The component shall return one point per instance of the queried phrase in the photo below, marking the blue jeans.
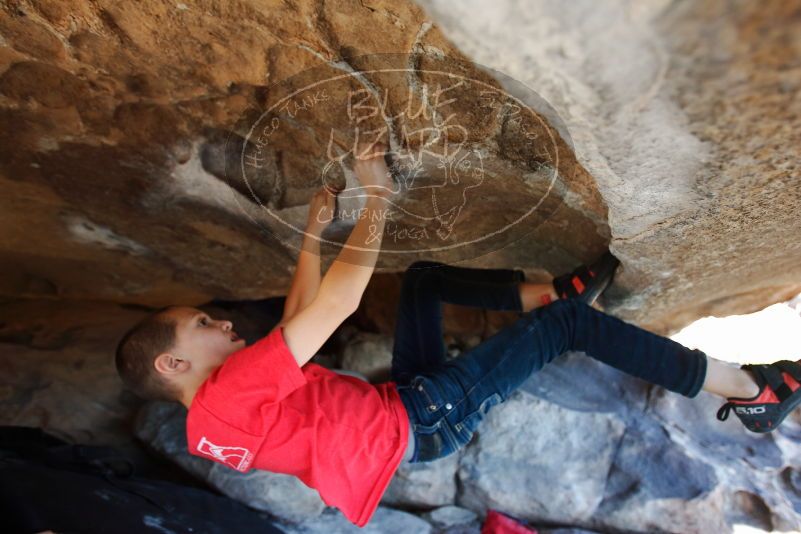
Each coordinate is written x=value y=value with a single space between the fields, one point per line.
x=446 y=399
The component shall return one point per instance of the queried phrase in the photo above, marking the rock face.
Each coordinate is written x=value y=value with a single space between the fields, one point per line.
x=140 y=163
x=686 y=115
x=157 y=153
x=134 y=137
x=122 y=125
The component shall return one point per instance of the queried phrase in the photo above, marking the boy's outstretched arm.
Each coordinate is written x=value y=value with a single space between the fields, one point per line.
x=343 y=285
x=306 y=280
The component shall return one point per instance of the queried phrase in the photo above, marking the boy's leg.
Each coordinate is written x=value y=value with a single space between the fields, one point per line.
x=570 y=325
x=451 y=402
x=418 y=344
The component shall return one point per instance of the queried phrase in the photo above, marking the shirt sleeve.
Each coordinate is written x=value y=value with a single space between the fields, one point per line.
x=212 y=438
x=262 y=373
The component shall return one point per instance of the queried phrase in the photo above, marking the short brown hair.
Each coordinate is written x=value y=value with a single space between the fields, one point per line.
x=137 y=350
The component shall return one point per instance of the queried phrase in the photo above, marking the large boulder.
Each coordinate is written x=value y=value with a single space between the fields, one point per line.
x=675 y=468
x=665 y=130
x=137 y=167
x=686 y=114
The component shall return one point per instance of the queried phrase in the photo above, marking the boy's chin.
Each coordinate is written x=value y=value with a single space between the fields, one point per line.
x=238 y=344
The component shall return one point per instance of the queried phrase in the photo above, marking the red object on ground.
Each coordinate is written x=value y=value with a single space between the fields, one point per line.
x=498 y=523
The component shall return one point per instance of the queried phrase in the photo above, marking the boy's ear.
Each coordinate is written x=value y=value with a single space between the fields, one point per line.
x=168 y=363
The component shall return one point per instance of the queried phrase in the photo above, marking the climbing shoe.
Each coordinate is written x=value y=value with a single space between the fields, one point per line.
x=779 y=393
x=587 y=282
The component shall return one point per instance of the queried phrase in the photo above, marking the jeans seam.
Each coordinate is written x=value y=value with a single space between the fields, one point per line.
x=427 y=397
x=517 y=277
x=519 y=340
x=418 y=329
x=460 y=424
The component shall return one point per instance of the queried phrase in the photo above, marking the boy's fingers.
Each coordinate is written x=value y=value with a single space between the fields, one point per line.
x=370 y=150
x=329 y=190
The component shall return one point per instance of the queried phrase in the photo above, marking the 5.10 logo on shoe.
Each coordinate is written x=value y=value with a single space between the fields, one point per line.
x=750 y=410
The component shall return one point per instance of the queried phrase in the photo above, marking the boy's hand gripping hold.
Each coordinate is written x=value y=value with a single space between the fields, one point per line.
x=342 y=287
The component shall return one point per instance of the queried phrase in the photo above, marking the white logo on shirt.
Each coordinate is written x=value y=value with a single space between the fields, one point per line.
x=236 y=457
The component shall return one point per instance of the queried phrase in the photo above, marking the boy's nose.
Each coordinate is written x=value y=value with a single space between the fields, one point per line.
x=227 y=325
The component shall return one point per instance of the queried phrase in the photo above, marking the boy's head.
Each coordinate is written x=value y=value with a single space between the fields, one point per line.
x=169 y=353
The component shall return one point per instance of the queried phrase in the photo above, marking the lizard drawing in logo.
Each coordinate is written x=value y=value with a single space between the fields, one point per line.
x=236 y=457
x=437 y=169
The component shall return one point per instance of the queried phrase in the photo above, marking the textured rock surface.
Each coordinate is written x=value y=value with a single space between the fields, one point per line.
x=424 y=485
x=385 y=521
x=451 y=516
x=56 y=369
x=115 y=116
x=686 y=114
x=114 y=119
x=516 y=467
x=116 y=166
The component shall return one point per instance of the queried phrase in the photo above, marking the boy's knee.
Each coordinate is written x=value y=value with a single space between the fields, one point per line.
x=560 y=306
x=563 y=309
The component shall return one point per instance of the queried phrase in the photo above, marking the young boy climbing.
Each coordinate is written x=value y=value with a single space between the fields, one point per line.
x=264 y=406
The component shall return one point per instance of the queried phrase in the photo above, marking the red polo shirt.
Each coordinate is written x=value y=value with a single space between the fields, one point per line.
x=338 y=434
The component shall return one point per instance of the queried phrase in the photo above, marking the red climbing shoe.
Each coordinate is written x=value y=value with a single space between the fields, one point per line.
x=779 y=393
x=587 y=282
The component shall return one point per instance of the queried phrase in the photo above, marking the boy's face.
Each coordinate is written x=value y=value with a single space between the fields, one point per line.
x=201 y=340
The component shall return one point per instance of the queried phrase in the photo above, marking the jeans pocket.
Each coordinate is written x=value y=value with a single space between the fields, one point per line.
x=468 y=425
x=428 y=393
x=428 y=441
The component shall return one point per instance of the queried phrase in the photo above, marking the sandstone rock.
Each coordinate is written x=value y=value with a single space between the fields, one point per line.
x=677 y=111
x=90 y=92
x=57 y=373
x=127 y=123
x=673 y=137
